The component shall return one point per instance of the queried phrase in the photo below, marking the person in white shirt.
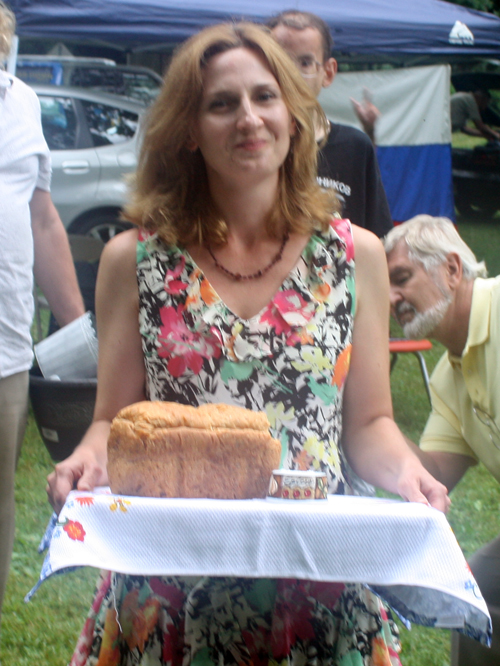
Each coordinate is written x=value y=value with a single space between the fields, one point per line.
x=32 y=240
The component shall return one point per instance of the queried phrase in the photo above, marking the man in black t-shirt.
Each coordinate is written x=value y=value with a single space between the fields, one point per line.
x=347 y=162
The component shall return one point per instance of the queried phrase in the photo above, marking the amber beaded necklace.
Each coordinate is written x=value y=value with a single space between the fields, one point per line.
x=253 y=276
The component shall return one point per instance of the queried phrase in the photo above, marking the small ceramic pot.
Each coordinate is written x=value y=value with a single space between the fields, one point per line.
x=298 y=485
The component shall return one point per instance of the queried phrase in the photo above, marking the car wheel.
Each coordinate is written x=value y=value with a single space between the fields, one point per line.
x=104 y=227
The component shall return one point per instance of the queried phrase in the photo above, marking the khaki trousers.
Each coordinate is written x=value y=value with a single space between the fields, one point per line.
x=13 y=417
x=485 y=565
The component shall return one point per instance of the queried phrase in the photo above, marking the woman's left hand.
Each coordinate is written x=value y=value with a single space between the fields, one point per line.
x=374 y=445
x=416 y=484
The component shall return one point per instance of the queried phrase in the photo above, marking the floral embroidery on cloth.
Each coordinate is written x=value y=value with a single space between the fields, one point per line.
x=291 y=360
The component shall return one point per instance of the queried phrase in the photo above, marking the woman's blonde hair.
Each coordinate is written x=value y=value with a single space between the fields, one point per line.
x=7 y=30
x=170 y=191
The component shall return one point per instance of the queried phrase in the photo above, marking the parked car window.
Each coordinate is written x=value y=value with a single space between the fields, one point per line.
x=88 y=186
x=58 y=122
x=109 y=124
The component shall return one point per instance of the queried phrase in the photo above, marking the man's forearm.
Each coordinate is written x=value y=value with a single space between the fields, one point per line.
x=448 y=468
x=487 y=132
x=54 y=268
x=425 y=458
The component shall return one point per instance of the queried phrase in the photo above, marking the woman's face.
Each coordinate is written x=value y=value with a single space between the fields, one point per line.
x=243 y=127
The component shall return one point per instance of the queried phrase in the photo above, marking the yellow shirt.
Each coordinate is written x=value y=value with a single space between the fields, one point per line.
x=465 y=390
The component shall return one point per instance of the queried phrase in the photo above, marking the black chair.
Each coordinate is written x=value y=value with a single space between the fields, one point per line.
x=63 y=410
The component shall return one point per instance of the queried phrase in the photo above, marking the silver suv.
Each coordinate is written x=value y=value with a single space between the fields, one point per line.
x=93 y=139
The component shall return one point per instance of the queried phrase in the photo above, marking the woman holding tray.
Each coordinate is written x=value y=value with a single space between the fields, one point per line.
x=240 y=287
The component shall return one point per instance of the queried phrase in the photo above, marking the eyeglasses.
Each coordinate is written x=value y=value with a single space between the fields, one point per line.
x=308 y=66
x=489 y=422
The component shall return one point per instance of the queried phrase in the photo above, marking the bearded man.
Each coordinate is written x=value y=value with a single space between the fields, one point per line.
x=439 y=290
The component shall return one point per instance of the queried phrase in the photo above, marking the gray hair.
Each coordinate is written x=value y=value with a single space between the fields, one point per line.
x=7 y=30
x=430 y=240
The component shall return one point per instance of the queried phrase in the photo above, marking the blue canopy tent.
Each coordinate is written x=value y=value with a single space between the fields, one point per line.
x=366 y=29
x=373 y=27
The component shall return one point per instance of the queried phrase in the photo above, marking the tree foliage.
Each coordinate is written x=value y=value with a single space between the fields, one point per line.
x=491 y=6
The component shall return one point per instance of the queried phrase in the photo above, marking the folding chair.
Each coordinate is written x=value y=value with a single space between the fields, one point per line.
x=416 y=347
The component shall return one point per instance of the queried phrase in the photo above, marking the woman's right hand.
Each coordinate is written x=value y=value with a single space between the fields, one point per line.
x=84 y=469
x=121 y=370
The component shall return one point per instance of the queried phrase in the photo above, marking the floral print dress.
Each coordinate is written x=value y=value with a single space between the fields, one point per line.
x=291 y=361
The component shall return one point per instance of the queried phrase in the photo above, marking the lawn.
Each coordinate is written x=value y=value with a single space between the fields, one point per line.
x=44 y=631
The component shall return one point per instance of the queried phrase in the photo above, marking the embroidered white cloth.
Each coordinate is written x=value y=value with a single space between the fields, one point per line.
x=406 y=552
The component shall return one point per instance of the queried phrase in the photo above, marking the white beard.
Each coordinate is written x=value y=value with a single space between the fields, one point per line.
x=424 y=323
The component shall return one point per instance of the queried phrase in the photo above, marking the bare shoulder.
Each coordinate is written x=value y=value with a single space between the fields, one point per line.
x=372 y=275
x=119 y=253
x=370 y=254
x=367 y=245
x=117 y=267
x=121 y=245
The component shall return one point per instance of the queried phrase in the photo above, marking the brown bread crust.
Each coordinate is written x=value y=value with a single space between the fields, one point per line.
x=172 y=414
x=165 y=449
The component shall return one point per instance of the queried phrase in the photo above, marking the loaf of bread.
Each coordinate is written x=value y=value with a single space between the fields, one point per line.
x=164 y=449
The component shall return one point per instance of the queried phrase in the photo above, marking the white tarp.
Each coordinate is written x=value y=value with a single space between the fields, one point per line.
x=414 y=103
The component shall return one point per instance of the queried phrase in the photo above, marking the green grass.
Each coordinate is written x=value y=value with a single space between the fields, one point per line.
x=475 y=509
x=460 y=140
x=44 y=632
x=484 y=239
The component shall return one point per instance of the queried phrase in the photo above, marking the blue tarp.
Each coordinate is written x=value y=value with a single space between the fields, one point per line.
x=375 y=27
x=417 y=179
